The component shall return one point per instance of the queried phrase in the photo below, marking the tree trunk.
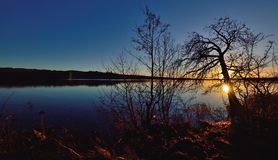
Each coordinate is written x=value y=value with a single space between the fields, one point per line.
x=235 y=109
x=150 y=103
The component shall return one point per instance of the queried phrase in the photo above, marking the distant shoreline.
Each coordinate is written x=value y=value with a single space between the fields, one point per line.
x=37 y=77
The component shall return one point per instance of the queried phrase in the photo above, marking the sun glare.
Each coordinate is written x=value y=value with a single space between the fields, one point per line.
x=226 y=88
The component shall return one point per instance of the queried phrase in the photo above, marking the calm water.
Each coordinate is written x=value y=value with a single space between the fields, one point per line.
x=71 y=106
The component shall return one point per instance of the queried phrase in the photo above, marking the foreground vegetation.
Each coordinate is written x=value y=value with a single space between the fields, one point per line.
x=201 y=139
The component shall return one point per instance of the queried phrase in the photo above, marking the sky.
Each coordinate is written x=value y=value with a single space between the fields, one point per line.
x=86 y=34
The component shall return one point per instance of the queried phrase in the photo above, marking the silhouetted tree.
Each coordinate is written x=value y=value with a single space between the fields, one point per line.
x=258 y=94
x=226 y=48
x=122 y=100
x=139 y=104
x=148 y=36
x=167 y=90
x=128 y=101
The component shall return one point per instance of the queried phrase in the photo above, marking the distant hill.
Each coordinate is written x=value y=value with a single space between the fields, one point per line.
x=22 y=73
x=22 y=76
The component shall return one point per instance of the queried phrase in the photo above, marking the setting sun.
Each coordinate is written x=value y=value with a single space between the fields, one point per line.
x=226 y=88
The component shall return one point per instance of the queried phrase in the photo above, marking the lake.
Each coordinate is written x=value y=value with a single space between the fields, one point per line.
x=75 y=107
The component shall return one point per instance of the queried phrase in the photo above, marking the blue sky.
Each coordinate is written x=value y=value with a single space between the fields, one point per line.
x=84 y=34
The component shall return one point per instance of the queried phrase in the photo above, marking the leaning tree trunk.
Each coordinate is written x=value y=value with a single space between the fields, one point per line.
x=236 y=112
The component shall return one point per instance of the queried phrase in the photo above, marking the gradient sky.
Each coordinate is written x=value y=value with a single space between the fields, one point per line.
x=84 y=34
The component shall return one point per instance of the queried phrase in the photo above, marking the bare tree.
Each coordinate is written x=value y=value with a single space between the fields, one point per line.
x=122 y=100
x=168 y=90
x=153 y=100
x=258 y=88
x=226 y=48
x=147 y=41
x=128 y=101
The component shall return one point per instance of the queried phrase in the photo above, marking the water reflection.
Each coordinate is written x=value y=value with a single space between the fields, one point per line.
x=76 y=106
x=160 y=101
x=70 y=106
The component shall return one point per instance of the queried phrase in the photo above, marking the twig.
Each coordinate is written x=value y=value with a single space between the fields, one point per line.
x=72 y=151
